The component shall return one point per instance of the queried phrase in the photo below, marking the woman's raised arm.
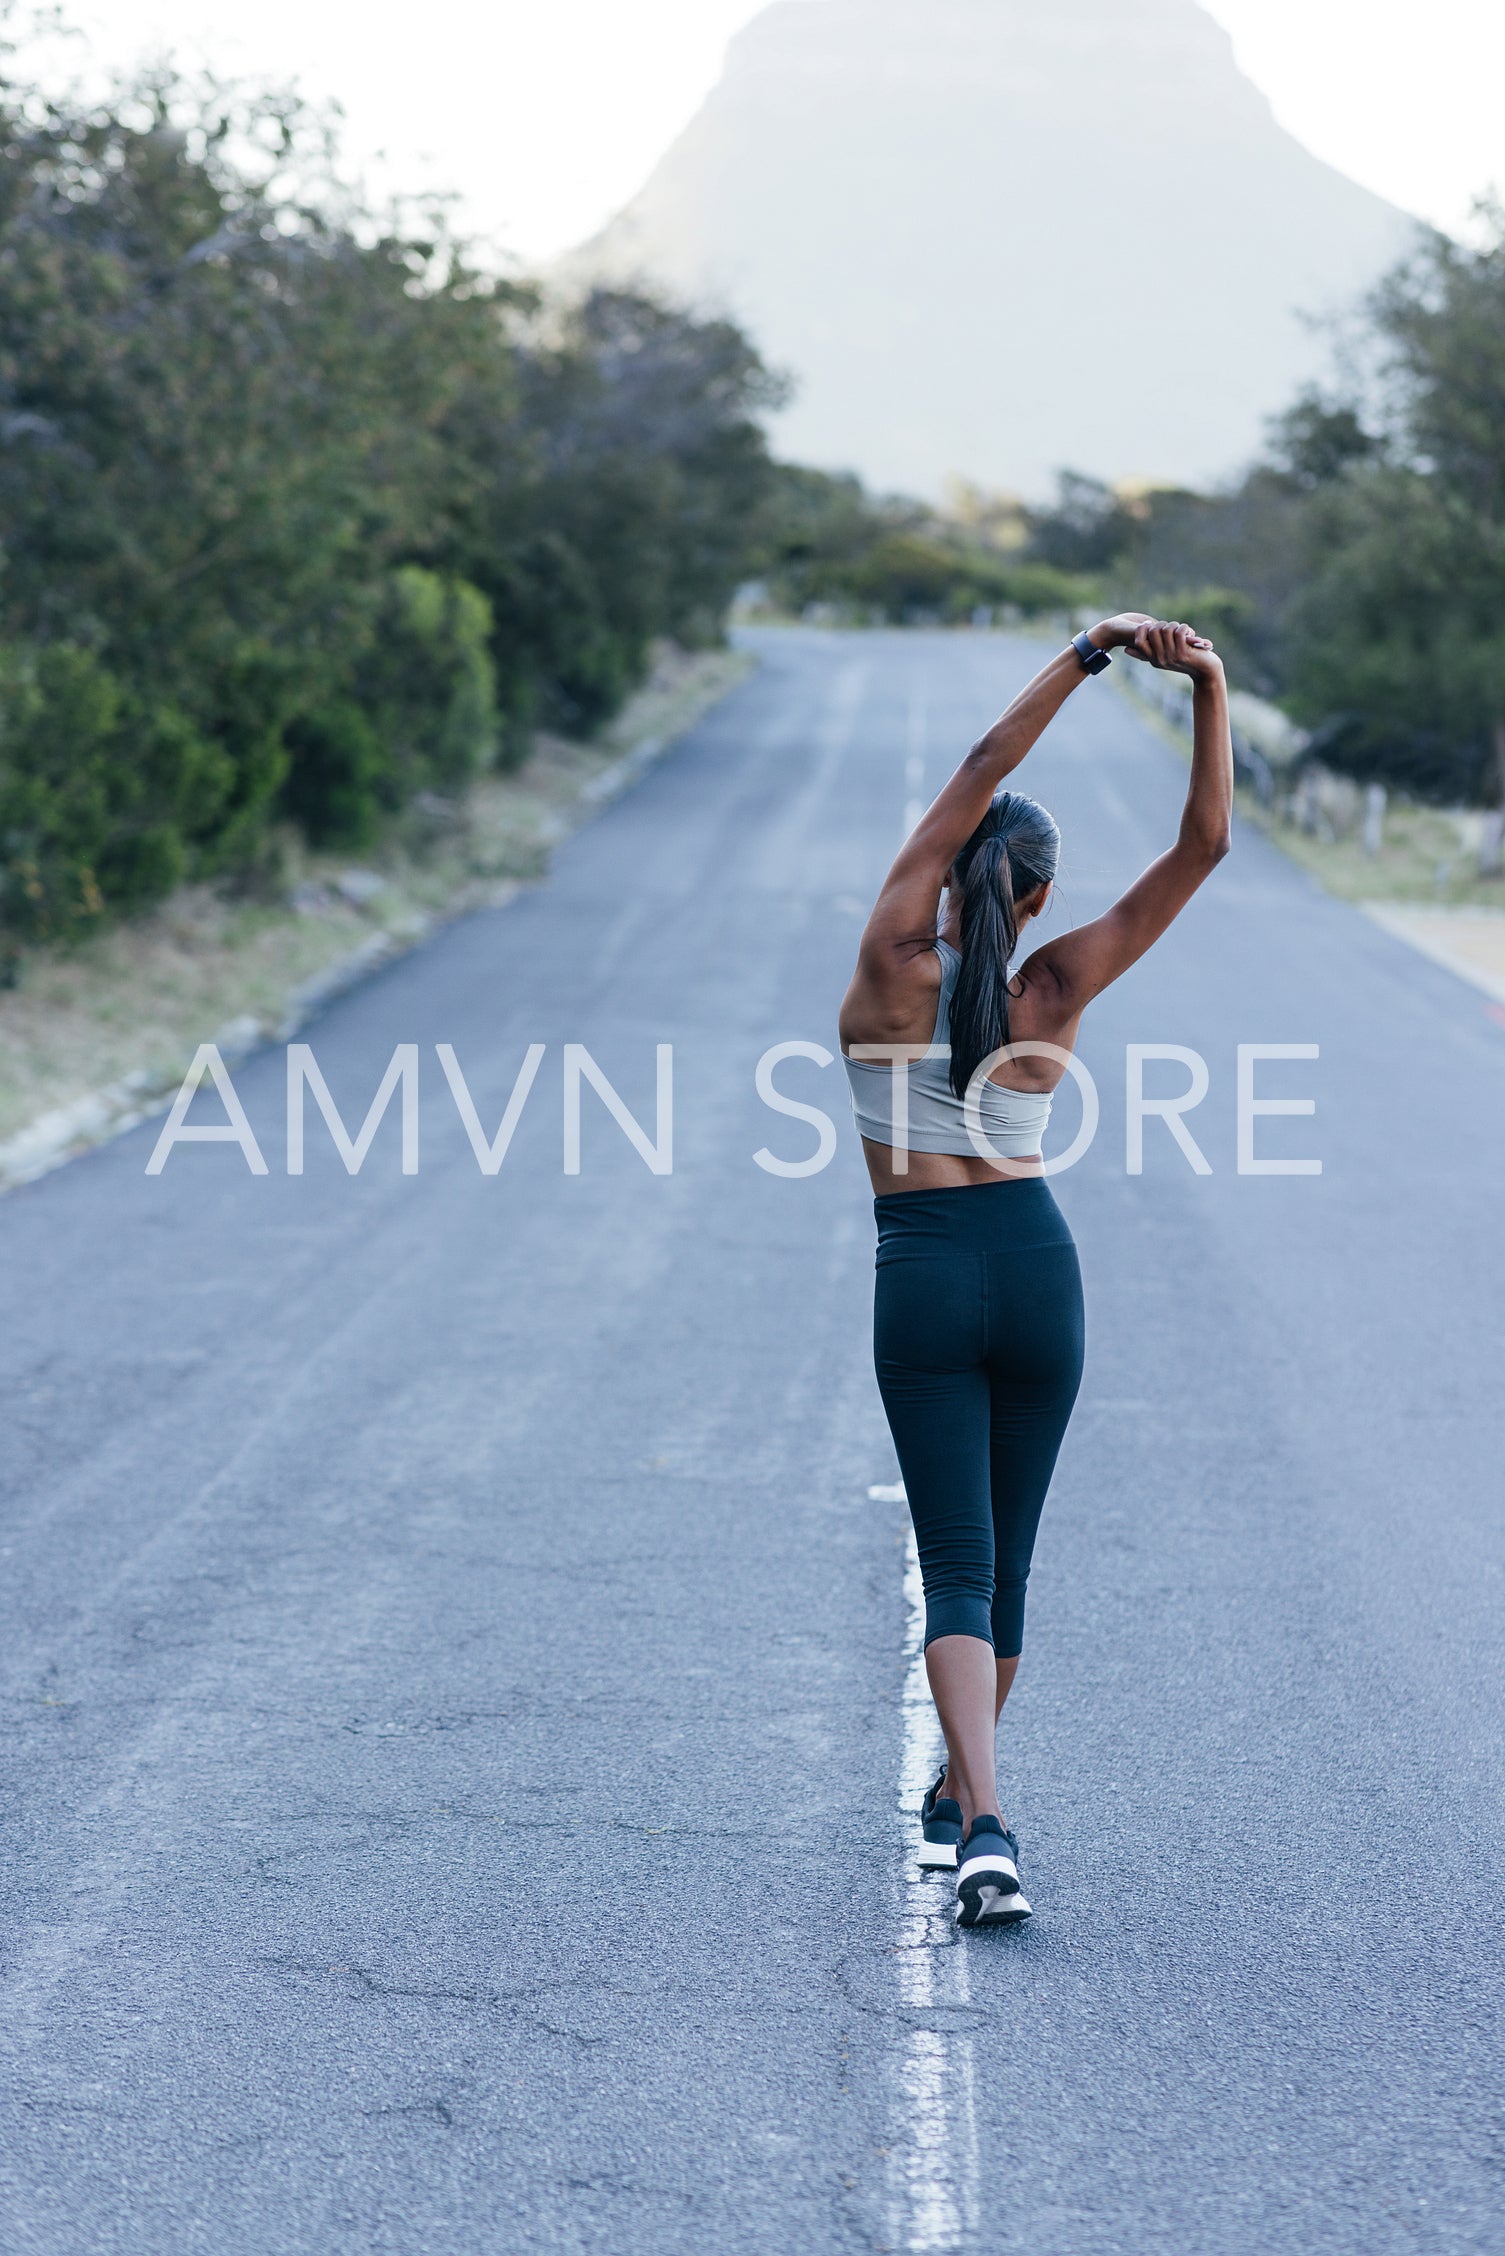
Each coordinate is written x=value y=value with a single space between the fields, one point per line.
x=904 y=913
x=1089 y=959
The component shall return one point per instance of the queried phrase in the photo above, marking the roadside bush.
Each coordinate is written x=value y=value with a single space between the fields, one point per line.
x=337 y=770
x=419 y=713
x=427 y=683
x=104 y=798
x=907 y=572
x=559 y=659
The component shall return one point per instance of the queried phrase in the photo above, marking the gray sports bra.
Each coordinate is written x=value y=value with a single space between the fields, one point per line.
x=1013 y=1120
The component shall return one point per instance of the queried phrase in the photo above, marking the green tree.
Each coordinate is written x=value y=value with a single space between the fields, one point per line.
x=1398 y=641
x=1089 y=528
x=300 y=512
x=636 y=475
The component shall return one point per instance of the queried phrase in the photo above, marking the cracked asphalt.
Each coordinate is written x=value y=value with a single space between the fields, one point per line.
x=451 y=1663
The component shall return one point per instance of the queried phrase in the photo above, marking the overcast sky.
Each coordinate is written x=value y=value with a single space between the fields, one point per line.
x=546 y=114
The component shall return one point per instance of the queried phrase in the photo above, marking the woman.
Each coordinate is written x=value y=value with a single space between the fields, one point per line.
x=953 y=1058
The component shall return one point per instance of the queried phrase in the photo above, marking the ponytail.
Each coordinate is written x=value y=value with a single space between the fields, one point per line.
x=1011 y=854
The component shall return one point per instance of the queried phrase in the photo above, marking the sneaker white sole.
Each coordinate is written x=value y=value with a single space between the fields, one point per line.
x=994 y=1909
x=985 y=1888
x=937 y=1856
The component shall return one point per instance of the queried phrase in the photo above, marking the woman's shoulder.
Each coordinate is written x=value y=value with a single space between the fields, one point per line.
x=890 y=1008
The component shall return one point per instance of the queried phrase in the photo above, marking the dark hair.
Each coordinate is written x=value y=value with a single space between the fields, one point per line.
x=1011 y=854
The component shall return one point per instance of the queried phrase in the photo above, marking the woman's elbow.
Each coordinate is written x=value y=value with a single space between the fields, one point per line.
x=1208 y=845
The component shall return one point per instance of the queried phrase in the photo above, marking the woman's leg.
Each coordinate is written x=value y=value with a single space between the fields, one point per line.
x=940 y=1429
x=1004 y=1673
x=963 y=1673
x=929 y=1348
x=1035 y=1369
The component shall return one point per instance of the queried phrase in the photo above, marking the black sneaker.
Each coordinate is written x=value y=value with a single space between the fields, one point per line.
x=941 y=1829
x=987 y=1877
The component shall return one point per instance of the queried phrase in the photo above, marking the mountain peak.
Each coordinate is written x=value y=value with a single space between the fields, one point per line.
x=992 y=237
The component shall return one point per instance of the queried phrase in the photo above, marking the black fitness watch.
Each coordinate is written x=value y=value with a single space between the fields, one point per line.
x=1095 y=660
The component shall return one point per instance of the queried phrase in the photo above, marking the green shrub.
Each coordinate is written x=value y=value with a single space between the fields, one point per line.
x=338 y=773
x=1041 y=588
x=427 y=682
x=418 y=712
x=104 y=798
x=906 y=572
x=560 y=659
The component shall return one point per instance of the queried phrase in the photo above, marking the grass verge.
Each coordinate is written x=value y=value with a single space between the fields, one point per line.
x=1424 y=858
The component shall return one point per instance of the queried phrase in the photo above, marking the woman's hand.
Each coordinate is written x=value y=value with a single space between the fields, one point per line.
x=1174 y=648
x=1118 y=632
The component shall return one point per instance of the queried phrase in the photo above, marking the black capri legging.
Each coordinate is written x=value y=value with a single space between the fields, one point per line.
x=977 y=1338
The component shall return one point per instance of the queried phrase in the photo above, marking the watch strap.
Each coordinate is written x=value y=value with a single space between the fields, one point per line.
x=1094 y=660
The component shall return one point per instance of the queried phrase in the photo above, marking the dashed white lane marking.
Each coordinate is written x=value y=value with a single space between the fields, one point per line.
x=933 y=2158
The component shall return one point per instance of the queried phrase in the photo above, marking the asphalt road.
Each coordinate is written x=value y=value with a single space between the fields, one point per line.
x=454 y=1669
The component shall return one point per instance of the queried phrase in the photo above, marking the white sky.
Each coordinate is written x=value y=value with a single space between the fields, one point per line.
x=546 y=114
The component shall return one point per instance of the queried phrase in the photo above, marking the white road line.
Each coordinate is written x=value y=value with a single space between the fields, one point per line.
x=923 y=1744
x=933 y=2155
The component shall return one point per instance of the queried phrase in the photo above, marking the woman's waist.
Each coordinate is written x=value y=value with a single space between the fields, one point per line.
x=901 y=1174
x=998 y=1215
